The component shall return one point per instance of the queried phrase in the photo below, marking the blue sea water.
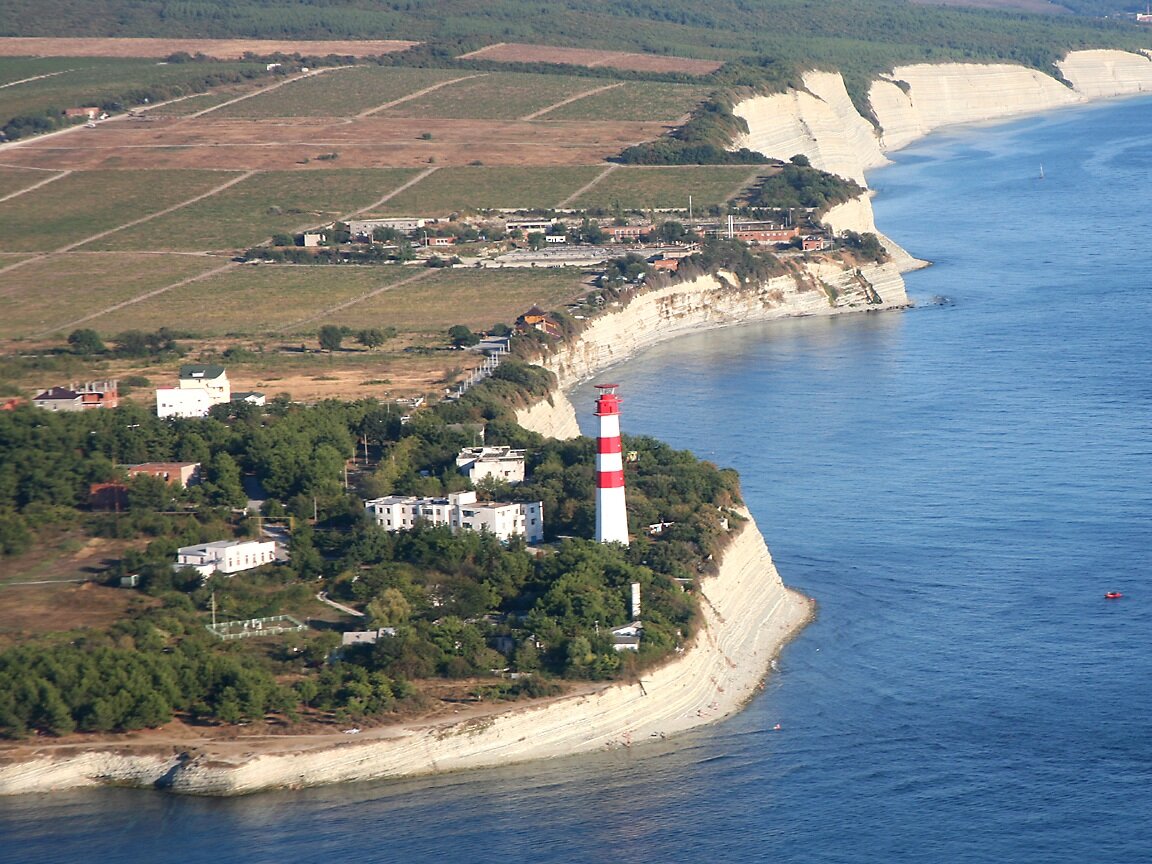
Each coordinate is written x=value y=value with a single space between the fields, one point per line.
x=957 y=485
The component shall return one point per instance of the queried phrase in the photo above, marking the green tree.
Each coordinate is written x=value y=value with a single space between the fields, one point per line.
x=373 y=337
x=331 y=337
x=462 y=335
x=86 y=342
x=390 y=609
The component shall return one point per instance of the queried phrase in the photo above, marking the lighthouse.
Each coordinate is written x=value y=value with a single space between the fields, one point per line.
x=611 y=514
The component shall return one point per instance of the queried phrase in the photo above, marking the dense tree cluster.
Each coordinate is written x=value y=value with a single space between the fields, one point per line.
x=63 y=689
x=799 y=185
x=456 y=606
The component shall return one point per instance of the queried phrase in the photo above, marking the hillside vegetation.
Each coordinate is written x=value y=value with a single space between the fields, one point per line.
x=851 y=35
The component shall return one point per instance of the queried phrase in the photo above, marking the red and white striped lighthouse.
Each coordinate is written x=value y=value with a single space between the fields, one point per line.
x=611 y=514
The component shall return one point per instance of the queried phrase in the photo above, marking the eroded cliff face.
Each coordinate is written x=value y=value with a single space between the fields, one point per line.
x=913 y=101
x=720 y=300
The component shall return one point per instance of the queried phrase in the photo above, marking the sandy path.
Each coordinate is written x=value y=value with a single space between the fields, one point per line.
x=571 y=99
x=588 y=185
x=309 y=74
x=138 y=299
x=417 y=95
x=422 y=274
x=45 y=182
x=35 y=78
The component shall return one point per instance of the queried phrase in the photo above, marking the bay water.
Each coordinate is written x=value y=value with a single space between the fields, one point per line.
x=957 y=485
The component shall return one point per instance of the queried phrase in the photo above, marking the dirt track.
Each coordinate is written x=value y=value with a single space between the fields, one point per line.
x=222 y=49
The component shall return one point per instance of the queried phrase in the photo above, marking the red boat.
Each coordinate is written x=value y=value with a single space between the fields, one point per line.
x=1113 y=595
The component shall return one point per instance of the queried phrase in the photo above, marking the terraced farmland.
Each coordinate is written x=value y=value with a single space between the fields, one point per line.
x=258 y=206
x=86 y=203
x=633 y=100
x=495 y=96
x=256 y=300
x=477 y=298
x=477 y=188
x=340 y=92
x=50 y=293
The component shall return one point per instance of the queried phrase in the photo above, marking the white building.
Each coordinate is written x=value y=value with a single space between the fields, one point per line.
x=200 y=387
x=173 y=402
x=499 y=463
x=225 y=556
x=363 y=228
x=461 y=512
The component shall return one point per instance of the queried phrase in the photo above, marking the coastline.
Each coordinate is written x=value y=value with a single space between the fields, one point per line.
x=748 y=613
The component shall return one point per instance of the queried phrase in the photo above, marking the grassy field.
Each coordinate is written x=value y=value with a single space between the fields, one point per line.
x=15 y=179
x=201 y=101
x=477 y=298
x=91 y=80
x=85 y=203
x=339 y=93
x=496 y=96
x=81 y=284
x=633 y=100
x=468 y=189
x=641 y=188
x=251 y=300
x=20 y=68
x=259 y=206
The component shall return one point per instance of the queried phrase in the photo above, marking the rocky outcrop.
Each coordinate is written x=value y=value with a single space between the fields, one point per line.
x=747 y=614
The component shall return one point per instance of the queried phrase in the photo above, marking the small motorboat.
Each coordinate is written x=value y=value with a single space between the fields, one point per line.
x=1113 y=595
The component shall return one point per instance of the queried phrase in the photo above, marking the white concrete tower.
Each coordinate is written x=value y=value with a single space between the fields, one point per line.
x=611 y=513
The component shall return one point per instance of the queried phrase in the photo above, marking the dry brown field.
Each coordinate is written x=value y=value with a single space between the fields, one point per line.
x=514 y=52
x=222 y=49
x=138 y=189
x=371 y=142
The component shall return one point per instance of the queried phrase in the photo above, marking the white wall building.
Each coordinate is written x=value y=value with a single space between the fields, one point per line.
x=404 y=224
x=200 y=387
x=499 y=463
x=174 y=402
x=225 y=556
x=461 y=512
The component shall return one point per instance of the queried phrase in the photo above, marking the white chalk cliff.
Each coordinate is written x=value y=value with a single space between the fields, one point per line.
x=821 y=123
x=747 y=614
x=719 y=300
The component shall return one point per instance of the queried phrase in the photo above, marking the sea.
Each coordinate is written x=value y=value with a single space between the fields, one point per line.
x=957 y=485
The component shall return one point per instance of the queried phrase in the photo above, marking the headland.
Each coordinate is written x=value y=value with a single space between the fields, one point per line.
x=747 y=612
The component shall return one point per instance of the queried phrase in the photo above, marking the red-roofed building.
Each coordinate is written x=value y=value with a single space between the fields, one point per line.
x=94 y=394
x=537 y=319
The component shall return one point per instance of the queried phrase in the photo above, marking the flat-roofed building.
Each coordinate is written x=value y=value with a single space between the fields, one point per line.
x=460 y=511
x=499 y=463
x=182 y=474
x=225 y=556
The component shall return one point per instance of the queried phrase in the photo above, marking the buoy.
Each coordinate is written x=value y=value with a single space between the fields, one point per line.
x=1113 y=595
